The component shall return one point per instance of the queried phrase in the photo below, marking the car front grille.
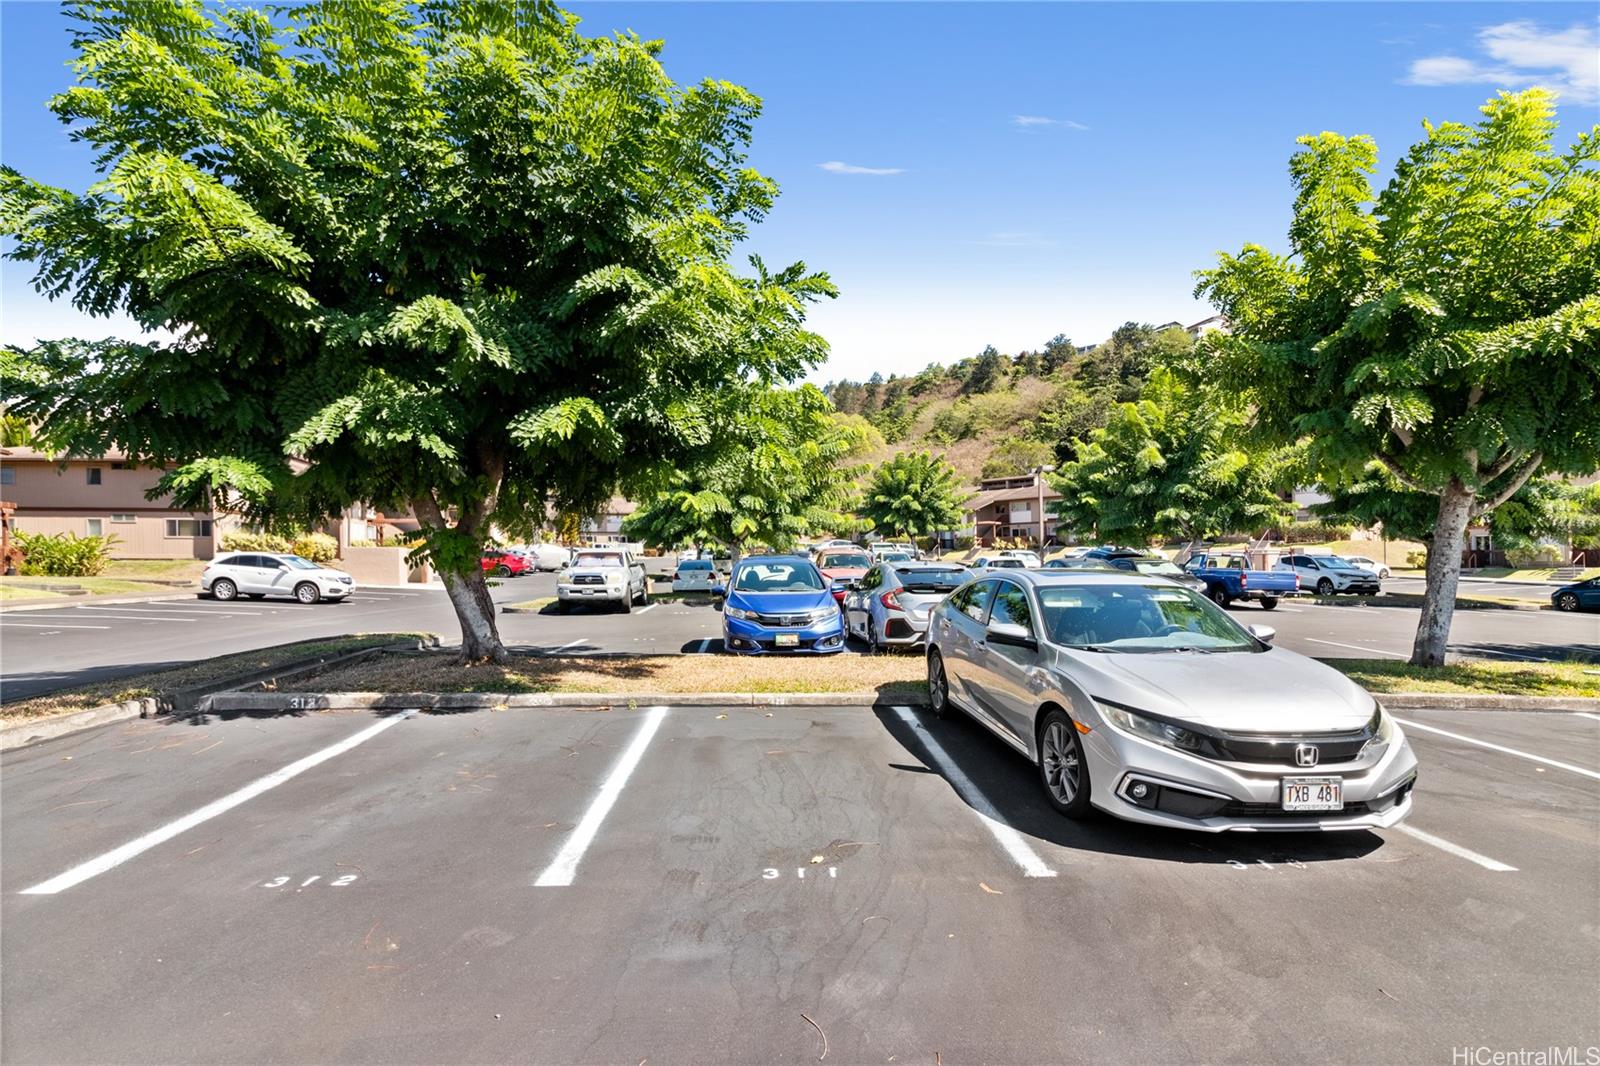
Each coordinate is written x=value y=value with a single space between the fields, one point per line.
x=786 y=620
x=588 y=579
x=1331 y=747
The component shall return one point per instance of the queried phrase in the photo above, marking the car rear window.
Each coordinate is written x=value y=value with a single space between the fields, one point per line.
x=918 y=580
x=694 y=565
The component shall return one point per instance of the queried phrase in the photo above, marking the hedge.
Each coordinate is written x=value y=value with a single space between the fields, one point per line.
x=63 y=554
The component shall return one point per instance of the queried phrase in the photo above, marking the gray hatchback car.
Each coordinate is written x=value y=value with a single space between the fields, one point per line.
x=891 y=602
x=1145 y=700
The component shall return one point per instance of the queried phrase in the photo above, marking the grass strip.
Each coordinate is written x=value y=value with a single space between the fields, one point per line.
x=187 y=675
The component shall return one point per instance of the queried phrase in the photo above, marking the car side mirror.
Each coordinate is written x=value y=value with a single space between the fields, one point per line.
x=1265 y=634
x=1012 y=635
x=843 y=586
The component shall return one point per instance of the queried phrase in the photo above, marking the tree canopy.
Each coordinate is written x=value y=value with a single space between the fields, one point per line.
x=778 y=472
x=1447 y=328
x=913 y=494
x=1171 y=464
x=453 y=256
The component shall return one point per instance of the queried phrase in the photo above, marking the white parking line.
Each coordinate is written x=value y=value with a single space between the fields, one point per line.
x=188 y=614
x=1586 y=714
x=1457 y=850
x=1492 y=652
x=643 y=610
x=1009 y=838
x=1359 y=647
x=140 y=617
x=703 y=647
x=117 y=856
x=47 y=625
x=564 y=867
x=570 y=644
x=1497 y=747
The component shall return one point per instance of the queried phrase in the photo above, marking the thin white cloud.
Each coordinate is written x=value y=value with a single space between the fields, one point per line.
x=1033 y=122
x=1520 y=54
x=836 y=167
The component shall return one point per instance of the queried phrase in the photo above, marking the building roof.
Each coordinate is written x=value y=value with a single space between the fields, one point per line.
x=992 y=496
x=20 y=454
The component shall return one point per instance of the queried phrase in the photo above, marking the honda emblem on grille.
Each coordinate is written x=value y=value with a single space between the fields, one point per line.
x=1306 y=755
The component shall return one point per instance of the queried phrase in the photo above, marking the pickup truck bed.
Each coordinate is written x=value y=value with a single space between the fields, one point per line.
x=1229 y=578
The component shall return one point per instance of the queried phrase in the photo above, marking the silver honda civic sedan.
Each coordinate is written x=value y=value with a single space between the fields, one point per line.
x=1139 y=697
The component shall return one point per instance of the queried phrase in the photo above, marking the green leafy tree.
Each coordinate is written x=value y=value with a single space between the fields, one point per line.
x=452 y=256
x=985 y=372
x=1447 y=328
x=1059 y=351
x=1171 y=464
x=779 y=471
x=913 y=494
x=1012 y=456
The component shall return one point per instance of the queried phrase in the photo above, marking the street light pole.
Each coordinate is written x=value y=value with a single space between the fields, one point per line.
x=1038 y=482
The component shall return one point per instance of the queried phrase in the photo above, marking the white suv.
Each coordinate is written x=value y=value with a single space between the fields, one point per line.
x=611 y=576
x=259 y=574
x=1328 y=575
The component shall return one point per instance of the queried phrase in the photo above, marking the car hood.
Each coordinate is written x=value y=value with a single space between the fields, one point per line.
x=1275 y=691
x=573 y=571
x=781 y=602
x=841 y=573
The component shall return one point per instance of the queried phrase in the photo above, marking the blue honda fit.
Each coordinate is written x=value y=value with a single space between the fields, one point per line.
x=780 y=603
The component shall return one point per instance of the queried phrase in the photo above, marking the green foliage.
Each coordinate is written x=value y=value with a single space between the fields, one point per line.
x=1416 y=560
x=1315 y=532
x=1169 y=466
x=777 y=472
x=987 y=371
x=455 y=256
x=1012 y=456
x=1119 y=365
x=318 y=547
x=244 y=540
x=63 y=554
x=1447 y=328
x=16 y=432
x=913 y=494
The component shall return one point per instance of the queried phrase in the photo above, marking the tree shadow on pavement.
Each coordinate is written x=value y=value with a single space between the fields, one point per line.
x=1011 y=784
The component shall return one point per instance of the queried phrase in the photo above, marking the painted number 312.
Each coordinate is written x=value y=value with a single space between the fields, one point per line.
x=337 y=882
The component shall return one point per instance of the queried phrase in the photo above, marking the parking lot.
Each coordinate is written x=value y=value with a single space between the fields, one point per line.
x=63 y=646
x=686 y=884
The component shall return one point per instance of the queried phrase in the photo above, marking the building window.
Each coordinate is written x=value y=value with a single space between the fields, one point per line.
x=95 y=526
x=122 y=518
x=188 y=527
x=94 y=475
x=8 y=476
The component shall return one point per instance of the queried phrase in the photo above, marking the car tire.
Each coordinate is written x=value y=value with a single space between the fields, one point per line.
x=1324 y=587
x=307 y=593
x=938 y=685
x=502 y=570
x=1063 y=771
x=1220 y=597
x=626 y=603
x=223 y=589
x=562 y=607
x=874 y=645
x=1567 y=601
x=1269 y=603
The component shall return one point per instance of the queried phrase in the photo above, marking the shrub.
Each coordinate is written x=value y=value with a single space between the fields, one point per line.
x=245 y=541
x=1316 y=532
x=64 y=554
x=318 y=547
x=1417 y=559
x=1534 y=555
x=363 y=543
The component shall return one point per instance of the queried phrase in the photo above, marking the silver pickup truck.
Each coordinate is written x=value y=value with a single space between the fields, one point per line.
x=609 y=576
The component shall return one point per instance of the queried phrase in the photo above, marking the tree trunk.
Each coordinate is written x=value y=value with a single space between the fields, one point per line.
x=480 y=637
x=735 y=553
x=1444 y=574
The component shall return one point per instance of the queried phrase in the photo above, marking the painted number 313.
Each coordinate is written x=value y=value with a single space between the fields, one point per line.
x=337 y=882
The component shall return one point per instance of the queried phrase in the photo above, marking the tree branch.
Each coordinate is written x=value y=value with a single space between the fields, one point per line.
x=1507 y=459
x=1400 y=475
x=1402 y=434
x=1517 y=481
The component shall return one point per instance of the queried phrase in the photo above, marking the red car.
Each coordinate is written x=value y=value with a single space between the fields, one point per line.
x=843 y=565
x=504 y=564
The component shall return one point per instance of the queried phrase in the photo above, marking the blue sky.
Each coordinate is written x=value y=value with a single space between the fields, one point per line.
x=999 y=173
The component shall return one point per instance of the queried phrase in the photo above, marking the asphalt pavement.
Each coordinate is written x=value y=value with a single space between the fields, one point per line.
x=43 y=650
x=692 y=885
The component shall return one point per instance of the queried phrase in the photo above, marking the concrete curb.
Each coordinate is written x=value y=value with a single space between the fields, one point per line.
x=19 y=734
x=488 y=701
x=93 y=601
x=1454 y=701
x=1411 y=599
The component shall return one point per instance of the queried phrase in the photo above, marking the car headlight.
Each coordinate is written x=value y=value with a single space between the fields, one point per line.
x=739 y=613
x=1382 y=727
x=1164 y=733
x=822 y=614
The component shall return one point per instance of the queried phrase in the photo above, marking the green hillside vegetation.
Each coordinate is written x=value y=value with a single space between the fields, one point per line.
x=995 y=414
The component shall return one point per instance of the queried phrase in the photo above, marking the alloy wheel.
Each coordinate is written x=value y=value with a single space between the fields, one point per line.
x=1567 y=602
x=306 y=592
x=938 y=685
x=1060 y=759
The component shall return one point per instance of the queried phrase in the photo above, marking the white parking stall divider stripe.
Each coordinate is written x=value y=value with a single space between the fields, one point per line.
x=1586 y=714
x=1500 y=748
x=651 y=607
x=117 y=856
x=704 y=646
x=564 y=867
x=1359 y=647
x=47 y=625
x=1457 y=850
x=141 y=617
x=1008 y=838
x=569 y=644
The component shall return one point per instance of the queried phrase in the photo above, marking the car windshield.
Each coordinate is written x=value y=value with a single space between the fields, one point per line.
x=934 y=580
x=298 y=563
x=1337 y=563
x=778 y=577
x=844 y=561
x=1139 y=618
x=694 y=565
x=1157 y=568
x=604 y=559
